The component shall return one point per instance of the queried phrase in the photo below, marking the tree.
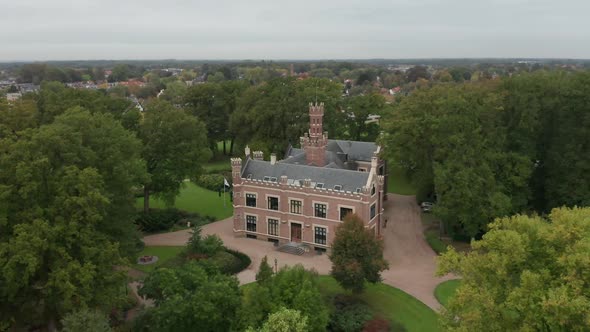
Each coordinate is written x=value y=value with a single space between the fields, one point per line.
x=417 y=72
x=82 y=140
x=174 y=149
x=525 y=274
x=359 y=108
x=293 y=288
x=120 y=72
x=209 y=103
x=264 y=271
x=452 y=141
x=85 y=320
x=285 y=320
x=187 y=297
x=357 y=256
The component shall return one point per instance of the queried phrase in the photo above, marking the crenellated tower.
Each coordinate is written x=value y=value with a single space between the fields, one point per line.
x=315 y=141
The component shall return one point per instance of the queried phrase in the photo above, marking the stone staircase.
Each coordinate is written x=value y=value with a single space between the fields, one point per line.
x=294 y=248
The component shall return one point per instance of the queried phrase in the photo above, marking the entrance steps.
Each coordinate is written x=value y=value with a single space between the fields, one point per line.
x=294 y=248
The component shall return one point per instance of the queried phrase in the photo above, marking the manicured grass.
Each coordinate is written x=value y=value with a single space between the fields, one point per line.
x=164 y=254
x=193 y=198
x=445 y=290
x=218 y=166
x=391 y=303
x=398 y=182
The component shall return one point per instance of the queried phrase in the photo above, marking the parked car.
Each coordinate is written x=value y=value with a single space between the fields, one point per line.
x=427 y=206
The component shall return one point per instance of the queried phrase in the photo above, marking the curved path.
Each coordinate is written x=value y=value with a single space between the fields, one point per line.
x=412 y=261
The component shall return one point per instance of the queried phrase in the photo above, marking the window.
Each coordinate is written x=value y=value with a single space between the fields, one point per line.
x=358 y=190
x=251 y=223
x=320 y=210
x=251 y=200
x=273 y=203
x=319 y=186
x=343 y=212
x=320 y=235
x=337 y=187
x=266 y=179
x=362 y=169
x=373 y=190
x=273 y=227
x=273 y=179
x=373 y=211
x=295 y=206
x=381 y=170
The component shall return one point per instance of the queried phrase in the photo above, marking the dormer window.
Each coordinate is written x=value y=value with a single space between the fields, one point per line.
x=358 y=190
x=338 y=187
x=273 y=179
x=266 y=179
x=250 y=176
x=319 y=186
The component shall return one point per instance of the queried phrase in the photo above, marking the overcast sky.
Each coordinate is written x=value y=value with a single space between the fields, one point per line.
x=296 y=29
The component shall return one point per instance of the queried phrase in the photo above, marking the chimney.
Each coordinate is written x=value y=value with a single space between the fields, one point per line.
x=247 y=151
x=273 y=158
x=236 y=168
x=258 y=155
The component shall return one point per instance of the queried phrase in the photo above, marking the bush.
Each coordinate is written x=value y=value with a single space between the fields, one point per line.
x=241 y=262
x=350 y=314
x=158 y=220
x=224 y=261
x=210 y=181
x=210 y=245
x=435 y=243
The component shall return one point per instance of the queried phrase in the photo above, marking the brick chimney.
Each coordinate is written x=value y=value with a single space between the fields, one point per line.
x=258 y=155
x=315 y=141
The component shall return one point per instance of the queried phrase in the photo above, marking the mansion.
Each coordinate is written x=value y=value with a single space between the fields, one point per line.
x=304 y=197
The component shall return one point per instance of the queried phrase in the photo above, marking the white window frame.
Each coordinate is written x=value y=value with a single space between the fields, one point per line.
x=268 y=226
x=245 y=198
x=313 y=226
x=346 y=207
x=320 y=202
x=299 y=200
x=246 y=222
x=278 y=197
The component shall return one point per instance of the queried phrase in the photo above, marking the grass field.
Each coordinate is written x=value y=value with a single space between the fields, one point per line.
x=398 y=183
x=193 y=198
x=391 y=303
x=445 y=290
x=164 y=254
x=218 y=166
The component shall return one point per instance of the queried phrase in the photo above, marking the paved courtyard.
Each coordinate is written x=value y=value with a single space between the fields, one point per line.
x=412 y=261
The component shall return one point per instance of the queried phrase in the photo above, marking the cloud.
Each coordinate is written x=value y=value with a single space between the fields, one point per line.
x=305 y=29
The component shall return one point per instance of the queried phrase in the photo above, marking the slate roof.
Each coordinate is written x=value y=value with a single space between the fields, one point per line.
x=330 y=177
x=339 y=154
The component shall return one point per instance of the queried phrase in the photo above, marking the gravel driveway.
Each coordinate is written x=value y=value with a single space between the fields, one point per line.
x=412 y=261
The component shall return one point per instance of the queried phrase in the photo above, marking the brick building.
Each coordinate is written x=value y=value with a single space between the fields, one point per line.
x=304 y=197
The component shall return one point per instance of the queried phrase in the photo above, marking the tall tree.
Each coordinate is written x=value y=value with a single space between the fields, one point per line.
x=188 y=298
x=357 y=255
x=175 y=146
x=83 y=140
x=525 y=274
x=358 y=110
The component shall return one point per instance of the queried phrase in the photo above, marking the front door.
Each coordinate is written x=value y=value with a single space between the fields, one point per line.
x=295 y=232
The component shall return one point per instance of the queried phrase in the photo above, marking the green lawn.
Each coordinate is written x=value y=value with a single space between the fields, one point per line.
x=193 y=198
x=391 y=303
x=164 y=254
x=445 y=290
x=218 y=166
x=398 y=183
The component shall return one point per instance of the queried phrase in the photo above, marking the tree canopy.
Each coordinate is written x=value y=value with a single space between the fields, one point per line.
x=357 y=255
x=525 y=274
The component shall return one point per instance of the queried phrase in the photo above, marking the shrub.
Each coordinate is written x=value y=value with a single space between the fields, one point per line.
x=350 y=314
x=158 y=219
x=210 y=181
x=240 y=263
x=210 y=245
x=435 y=243
x=224 y=261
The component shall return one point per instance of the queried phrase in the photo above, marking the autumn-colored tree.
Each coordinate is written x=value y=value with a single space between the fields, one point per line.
x=357 y=255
